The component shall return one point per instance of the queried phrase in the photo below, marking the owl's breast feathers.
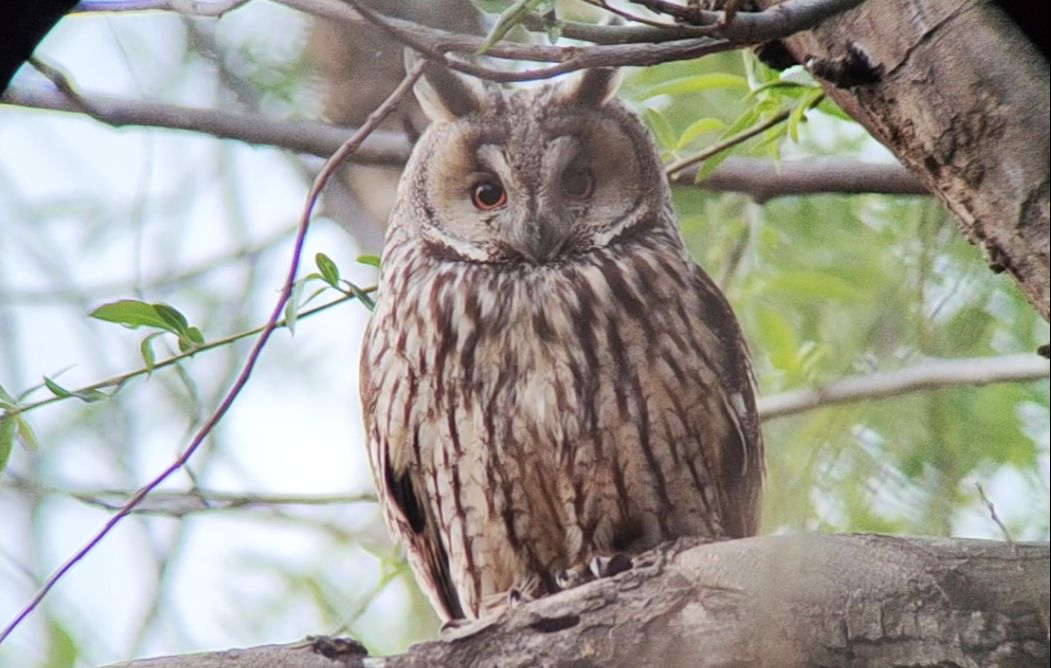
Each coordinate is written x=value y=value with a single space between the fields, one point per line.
x=523 y=419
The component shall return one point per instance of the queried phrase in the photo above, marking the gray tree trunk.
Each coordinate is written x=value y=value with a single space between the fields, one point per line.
x=962 y=98
x=847 y=600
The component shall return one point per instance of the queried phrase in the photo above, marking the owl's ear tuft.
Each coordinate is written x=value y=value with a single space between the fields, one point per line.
x=443 y=94
x=591 y=88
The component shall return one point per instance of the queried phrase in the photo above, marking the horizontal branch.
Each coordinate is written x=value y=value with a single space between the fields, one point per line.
x=757 y=177
x=765 y=180
x=298 y=135
x=179 y=504
x=748 y=28
x=805 y=600
x=927 y=375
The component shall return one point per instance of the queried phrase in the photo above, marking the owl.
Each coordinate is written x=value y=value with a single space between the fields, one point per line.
x=549 y=383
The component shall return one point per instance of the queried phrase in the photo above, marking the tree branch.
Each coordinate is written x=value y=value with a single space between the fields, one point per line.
x=927 y=375
x=757 y=177
x=852 y=600
x=384 y=148
x=764 y=180
x=986 y=154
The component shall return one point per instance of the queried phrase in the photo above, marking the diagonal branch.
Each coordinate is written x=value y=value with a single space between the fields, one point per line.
x=351 y=145
x=927 y=375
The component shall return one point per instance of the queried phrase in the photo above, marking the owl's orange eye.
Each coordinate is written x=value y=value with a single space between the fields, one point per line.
x=578 y=182
x=488 y=195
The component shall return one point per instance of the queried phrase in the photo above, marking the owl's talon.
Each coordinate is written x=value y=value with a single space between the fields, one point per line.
x=608 y=566
x=568 y=578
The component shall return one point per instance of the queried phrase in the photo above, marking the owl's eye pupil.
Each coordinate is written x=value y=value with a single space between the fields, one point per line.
x=488 y=195
x=578 y=182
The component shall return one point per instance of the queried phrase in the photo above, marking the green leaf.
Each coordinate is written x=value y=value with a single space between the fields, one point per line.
x=88 y=396
x=132 y=313
x=371 y=260
x=745 y=120
x=697 y=128
x=781 y=88
x=695 y=84
x=61 y=646
x=827 y=106
x=662 y=129
x=329 y=270
x=509 y=18
x=491 y=6
x=798 y=114
x=146 y=350
x=292 y=305
x=7 y=439
x=26 y=433
x=369 y=303
x=56 y=389
x=169 y=314
x=709 y=165
x=194 y=334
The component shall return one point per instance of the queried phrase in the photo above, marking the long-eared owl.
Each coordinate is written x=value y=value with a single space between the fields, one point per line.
x=548 y=380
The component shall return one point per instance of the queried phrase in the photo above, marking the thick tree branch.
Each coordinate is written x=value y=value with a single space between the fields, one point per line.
x=927 y=375
x=974 y=129
x=861 y=601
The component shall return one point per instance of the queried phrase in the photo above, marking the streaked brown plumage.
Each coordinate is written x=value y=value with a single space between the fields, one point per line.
x=547 y=379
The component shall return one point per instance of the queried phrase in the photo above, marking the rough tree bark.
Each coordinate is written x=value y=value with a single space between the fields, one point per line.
x=860 y=600
x=962 y=98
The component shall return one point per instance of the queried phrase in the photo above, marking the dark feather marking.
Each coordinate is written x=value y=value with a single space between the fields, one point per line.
x=642 y=426
x=620 y=361
x=442 y=316
x=457 y=492
x=623 y=293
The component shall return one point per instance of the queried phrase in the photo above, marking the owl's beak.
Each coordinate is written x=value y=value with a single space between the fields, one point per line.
x=539 y=237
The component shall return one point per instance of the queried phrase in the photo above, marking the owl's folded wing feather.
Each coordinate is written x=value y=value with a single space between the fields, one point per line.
x=407 y=514
x=742 y=466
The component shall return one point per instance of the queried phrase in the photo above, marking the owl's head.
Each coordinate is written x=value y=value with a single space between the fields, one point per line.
x=532 y=176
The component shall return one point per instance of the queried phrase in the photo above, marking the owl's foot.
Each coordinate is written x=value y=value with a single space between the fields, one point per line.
x=456 y=629
x=600 y=566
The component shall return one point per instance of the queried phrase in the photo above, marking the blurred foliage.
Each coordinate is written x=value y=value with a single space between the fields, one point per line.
x=824 y=286
x=829 y=286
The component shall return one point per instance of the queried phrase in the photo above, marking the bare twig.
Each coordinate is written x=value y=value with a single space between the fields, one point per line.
x=927 y=375
x=650 y=48
x=180 y=504
x=993 y=514
x=120 y=379
x=330 y=167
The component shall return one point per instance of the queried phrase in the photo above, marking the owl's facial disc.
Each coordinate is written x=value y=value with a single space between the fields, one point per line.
x=526 y=215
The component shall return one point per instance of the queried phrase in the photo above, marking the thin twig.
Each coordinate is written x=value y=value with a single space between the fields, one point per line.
x=775 y=23
x=993 y=515
x=730 y=142
x=326 y=172
x=927 y=375
x=120 y=379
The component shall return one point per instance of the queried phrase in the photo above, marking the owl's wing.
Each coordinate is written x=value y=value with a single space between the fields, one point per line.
x=403 y=498
x=426 y=551
x=742 y=466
